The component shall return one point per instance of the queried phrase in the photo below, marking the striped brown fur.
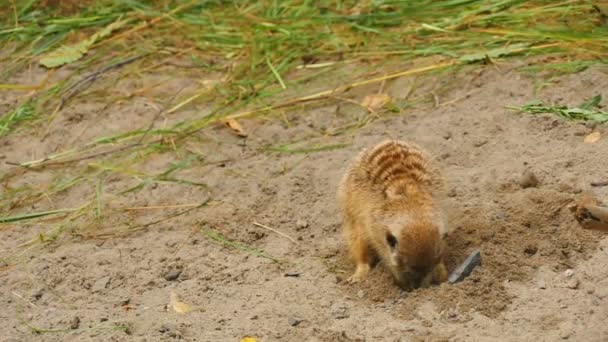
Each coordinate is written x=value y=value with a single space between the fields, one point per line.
x=388 y=199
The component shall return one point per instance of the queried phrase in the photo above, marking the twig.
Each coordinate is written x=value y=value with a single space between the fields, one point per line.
x=164 y=206
x=327 y=93
x=465 y=96
x=148 y=224
x=87 y=81
x=25 y=300
x=274 y=230
x=43 y=161
x=160 y=112
x=435 y=100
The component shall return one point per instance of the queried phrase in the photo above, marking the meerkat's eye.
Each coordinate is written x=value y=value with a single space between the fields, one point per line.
x=391 y=240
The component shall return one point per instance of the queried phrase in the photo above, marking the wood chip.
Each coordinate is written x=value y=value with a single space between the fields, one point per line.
x=592 y=137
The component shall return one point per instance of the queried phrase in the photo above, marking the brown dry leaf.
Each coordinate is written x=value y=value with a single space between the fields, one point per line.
x=592 y=137
x=375 y=101
x=179 y=307
x=248 y=339
x=236 y=127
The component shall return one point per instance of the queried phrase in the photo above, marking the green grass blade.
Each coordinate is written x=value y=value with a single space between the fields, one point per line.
x=29 y=216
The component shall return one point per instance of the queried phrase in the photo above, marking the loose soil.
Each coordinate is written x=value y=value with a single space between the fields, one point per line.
x=90 y=287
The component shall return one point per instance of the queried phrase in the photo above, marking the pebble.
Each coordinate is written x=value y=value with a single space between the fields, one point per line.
x=101 y=284
x=360 y=294
x=75 y=323
x=569 y=273
x=452 y=313
x=528 y=180
x=480 y=143
x=565 y=334
x=172 y=274
x=542 y=285
x=572 y=284
x=38 y=294
x=339 y=311
x=301 y=224
x=294 y=321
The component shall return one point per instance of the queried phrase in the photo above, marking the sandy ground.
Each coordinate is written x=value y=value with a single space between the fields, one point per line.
x=118 y=289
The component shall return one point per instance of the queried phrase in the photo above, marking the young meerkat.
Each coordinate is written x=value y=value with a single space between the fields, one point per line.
x=391 y=211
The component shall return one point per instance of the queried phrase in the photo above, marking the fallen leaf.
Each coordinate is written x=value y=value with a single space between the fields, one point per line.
x=236 y=127
x=375 y=101
x=494 y=53
x=179 y=307
x=70 y=53
x=592 y=137
x=248 y=339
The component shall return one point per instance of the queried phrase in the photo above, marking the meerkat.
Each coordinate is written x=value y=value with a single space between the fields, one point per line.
x=391 y=213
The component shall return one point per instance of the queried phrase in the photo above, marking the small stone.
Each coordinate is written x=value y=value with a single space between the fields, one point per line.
x=360 y=294
x=572 y=284
x=301 y=224
x=38 y=294
x=542 y=285
x=294 y=321
x=530 y=250
x=101 y=284
x=565 y=334
x=569 y=273
x=452 y=313
x=528 y=180
x=480 y=143
x=339 y=311
x=172 y=274
x=75 y=323
x=501 y=216
x=447 y=135
x=427 y=324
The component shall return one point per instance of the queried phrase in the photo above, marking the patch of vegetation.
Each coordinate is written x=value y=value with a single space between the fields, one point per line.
x=586 y=111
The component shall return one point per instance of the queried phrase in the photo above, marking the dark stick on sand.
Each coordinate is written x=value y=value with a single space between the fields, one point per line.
x=463 y=271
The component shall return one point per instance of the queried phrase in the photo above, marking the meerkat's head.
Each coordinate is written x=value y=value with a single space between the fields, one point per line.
x=415 y=250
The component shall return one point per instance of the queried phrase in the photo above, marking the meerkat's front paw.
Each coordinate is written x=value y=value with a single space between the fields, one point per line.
x=440 y=273
x=360 y=273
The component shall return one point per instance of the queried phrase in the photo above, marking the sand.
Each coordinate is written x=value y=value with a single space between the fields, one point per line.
x=542 y=277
